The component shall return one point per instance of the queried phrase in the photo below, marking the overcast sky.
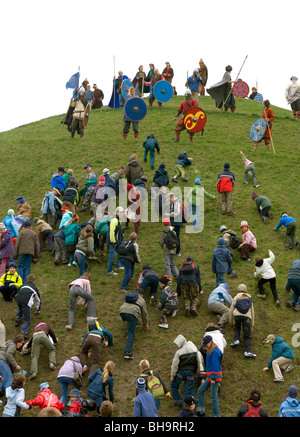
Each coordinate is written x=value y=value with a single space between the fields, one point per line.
x=44 y=43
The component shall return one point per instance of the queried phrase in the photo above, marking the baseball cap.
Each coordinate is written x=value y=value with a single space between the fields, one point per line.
x=190 y=400
x=270 y=338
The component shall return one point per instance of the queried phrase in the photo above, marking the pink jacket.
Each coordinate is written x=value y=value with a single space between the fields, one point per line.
x=248 y=238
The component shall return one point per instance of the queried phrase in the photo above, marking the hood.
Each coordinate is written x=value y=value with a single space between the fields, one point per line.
x=134 y=163
x=162 y=167
x=181 y=155
x=139 y=182
x=10 y=393
x=55 y=174
x=293 y=402
x=179 y=341
x=278 y=340
x=76 y=359
x=259 y=263
x=221 y=242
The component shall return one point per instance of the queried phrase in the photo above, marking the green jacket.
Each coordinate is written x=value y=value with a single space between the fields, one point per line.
x=192 y=195
x=262 y=202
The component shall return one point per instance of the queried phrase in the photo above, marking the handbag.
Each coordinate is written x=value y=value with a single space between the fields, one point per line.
x=77 y=377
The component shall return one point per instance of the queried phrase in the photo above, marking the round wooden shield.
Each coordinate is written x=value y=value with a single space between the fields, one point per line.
x=259 y=97
x=163 y=91
x=195 y=120
x=135 y=109
x=258 y=129
x=87 y=114
x=241 y=89
x=126 y=84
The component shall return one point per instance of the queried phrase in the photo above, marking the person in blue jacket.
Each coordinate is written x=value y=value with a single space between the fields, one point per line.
x=182 y=161
x=161 y=177
x=150 y=144
x=193 y=83
x=98 y=381
x=216 y=303
x=281 y=358
x=144 y=403
x=291 y=406
x=58 y=181
x=291 y=227
x=221 y=262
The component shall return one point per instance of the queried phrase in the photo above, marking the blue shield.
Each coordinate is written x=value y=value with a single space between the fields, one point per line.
x=258 y=97
x=163 y=91
x=258 y=129
x=126 y=84
x=135 y=109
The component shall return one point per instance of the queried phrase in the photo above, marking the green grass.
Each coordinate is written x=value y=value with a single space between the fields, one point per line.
x=31 y=154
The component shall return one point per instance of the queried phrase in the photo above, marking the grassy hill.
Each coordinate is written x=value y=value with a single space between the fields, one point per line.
x=31 y=153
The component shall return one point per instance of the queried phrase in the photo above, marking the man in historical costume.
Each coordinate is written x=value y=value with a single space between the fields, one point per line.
x=268 y=115
x=139 y=80
x=98 y=97
x=292 y=95
x=254 y=93
x=85 y=84
x=127 y=121
x=184 y=106
x=222 y=91
x=156 y=77
x=204 y=76
x=168 y=72
x=79 y=104
x=147 y=88
x=194 y=83
x=118 y=82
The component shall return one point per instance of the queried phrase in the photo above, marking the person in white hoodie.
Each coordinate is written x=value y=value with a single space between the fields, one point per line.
x=186 y=364
x=241 y=315
x=15 y=395
x=264 y=269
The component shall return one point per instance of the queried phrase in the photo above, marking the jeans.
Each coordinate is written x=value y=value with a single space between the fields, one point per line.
x=245 y=323
x=188 y=376
x=82 y=263
x=250 y=167
x=128 y=272
x=152 y=282
x=24 y=266
x=272 y=282
x=112 y=251
x=25 y=312
x=151 y=156
x=131 y=326
x=76 y=291
x=294 y=284
x=220 y=278
x=64 y=382
x=6 y=374
x=214 y=398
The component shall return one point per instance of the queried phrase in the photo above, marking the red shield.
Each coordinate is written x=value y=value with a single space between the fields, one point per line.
x=195 y=120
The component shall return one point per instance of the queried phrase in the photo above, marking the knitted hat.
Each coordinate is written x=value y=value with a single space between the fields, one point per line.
x=102 y=178
x=293 y=391
x=44 y=385
x=198 y=181
x=190 y=400
x=26 y=223
x=226 y=165
x=140 y=383
x=87 y=165
x=242 y=288
x=75 y=392
x=162 y=166
x=221 y=242
x=57 y=190
x=164 y=280
x=166 y=221
x=270 y=338
x=223 y=228
x=2 y=226
x=254 y=196
x=10 y=212
x=244 y=223
x=12 y=264
x=106 y=171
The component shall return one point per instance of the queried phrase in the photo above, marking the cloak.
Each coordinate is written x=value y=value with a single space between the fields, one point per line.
x=220 y=90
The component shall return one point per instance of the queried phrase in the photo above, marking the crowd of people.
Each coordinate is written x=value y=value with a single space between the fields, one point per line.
x=70 y=241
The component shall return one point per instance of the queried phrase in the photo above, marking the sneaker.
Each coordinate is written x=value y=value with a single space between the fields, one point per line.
x=249 y=355
x=178 y=254
x=281 y=379
x=256 y=186
x=84 y=369
x=290 y=304
x=246 y=183
x=184 y=179
x=112 y=273
x=174 y=313
x=174 y=180
x=297 y=307
x=277 y=303
x=52 y=366
x=69 y=326
x=32 y=376
x=164 y=325
x=265 y=220
x=56 y=262
x=128 y=356
x=17 y=322
x=122 y=290
x=271 y=215
x=69 y=265
x=152 y=300
x=288 y=368
x=262 y=296
x=235 y=343
x=75 y=264
x=120 y=268
x=232 y=275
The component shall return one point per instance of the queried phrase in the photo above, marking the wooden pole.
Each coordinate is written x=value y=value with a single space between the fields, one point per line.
x=269 y=131
x=69 y=105
x=234 y=82
x=114 y=84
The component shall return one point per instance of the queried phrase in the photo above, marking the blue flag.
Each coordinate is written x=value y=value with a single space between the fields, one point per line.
x=73 y=81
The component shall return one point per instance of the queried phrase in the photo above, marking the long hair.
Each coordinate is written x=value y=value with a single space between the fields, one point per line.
x=108 y=368
x=255 y=395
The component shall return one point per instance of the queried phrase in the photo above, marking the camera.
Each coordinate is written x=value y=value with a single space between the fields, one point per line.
x=86 y=406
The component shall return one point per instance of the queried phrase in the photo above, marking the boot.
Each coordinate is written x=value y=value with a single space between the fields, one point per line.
x=177 y=136
x=298 y=114
x=233 y=109
x=125 y=135
x=191 y=138
x=295 y=114
x=255 y=146
x=136 y=136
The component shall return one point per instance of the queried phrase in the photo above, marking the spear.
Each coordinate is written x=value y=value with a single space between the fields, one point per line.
x=234 y=81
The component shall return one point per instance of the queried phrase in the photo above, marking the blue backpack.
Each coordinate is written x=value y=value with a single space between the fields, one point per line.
x=243 y=305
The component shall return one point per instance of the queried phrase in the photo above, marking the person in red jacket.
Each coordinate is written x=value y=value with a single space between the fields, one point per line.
x=46 y=398
x=268 y=115
x=225 y=184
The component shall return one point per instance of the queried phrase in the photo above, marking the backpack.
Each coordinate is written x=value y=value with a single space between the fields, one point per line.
x=171 y=300
x=187 y=268
x=253 y=411
x=171 y=240
x=243 y=305
x=234 y=240
x=131 y=298
x=126 y=247
x=154 y=385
